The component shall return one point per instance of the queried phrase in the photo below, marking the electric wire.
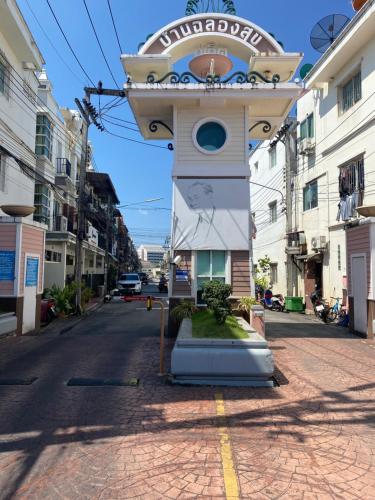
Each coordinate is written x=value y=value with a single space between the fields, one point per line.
x=119 y=125
x=51 y=43
x=100 y=45
x=68 y=43
x=114 y=26
x=134 y=140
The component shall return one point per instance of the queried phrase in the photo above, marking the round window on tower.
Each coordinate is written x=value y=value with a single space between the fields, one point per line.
x=210 y=135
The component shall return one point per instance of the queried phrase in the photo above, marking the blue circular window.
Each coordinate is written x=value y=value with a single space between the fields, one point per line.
x=211 y=136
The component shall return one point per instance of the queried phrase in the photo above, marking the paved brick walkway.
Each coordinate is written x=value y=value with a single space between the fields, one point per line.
x=312 y=437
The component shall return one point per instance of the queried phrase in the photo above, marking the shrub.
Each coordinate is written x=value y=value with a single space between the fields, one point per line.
x=185 y=309
x=245 y=304
x=216 y=295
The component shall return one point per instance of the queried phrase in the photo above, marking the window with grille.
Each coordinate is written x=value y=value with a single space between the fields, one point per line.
x=310 y=196
x=273 y=157
x=4 y=76
x=352 y=179
x=42 y=203
x=43 y=140
x=273 y=212
x=211 y=265
x=351 y=92
x=307 y=128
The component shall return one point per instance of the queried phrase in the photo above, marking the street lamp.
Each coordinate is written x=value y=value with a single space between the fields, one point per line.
x=149 y=200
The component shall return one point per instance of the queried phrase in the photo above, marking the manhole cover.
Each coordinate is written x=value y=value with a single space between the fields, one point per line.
x=17 y=381
x=100 y=382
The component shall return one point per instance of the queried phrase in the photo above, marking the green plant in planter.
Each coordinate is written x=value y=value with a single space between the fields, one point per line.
x=185 y=309
x=245 y=304
x=61 y=297
x=216 y=295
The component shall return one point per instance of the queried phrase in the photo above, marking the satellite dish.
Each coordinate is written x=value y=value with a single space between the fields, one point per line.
x=306 y=68
x=327 y=30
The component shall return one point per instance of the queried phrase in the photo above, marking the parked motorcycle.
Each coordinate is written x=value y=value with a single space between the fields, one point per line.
x=273 y=302
x=321 y=309
x=48 y=311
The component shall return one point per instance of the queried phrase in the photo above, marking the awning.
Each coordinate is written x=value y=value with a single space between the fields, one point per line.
x=318 y=256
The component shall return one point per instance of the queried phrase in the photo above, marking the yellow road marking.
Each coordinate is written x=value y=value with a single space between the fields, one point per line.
x=230 y=475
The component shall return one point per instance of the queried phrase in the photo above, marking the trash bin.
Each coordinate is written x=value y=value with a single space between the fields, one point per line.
x=100 y=291
x=294 y=304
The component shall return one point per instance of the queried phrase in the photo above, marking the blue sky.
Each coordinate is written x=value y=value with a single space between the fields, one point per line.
x=141 y=172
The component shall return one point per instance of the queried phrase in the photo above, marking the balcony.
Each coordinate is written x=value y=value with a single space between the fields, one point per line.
x=63 y=167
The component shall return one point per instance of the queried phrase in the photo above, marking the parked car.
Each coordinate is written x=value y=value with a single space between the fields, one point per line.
x=144 y=278
x=130 y=283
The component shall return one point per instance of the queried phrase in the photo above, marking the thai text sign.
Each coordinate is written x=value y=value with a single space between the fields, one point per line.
x=7 y=265
x=32 y=267
x=226 y=25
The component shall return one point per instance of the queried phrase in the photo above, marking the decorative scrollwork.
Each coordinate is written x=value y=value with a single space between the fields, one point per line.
x=239 y=77
x=153 y=126
x=266 y=126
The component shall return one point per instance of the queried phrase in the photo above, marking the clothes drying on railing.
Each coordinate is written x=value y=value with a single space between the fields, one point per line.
x=347 y=206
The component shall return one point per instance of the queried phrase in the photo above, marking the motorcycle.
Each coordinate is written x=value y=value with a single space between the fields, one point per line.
x=163 y=285
x=321 y=309
x=48 y=311
x=273 y=302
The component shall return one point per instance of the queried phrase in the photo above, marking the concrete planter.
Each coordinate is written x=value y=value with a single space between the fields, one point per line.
x=8 y=324
x=246 y=362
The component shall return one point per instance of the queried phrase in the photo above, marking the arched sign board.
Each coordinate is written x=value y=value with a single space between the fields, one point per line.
x=184 y=36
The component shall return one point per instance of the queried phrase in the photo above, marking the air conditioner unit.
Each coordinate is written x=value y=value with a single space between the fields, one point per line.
x=306 y=147
x=319 y=243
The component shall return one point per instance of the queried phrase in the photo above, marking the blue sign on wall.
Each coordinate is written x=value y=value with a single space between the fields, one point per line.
x=32 y=267
x=182 y=275
x=7 y=265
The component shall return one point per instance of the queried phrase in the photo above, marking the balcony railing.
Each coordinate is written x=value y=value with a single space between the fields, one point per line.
x=63 y=166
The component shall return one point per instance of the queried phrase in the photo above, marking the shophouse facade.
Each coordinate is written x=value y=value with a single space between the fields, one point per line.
x=336 y=157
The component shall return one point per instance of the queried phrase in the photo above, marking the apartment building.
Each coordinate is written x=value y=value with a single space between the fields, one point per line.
x=267 y=195
x=19 y=59
x=336 y=164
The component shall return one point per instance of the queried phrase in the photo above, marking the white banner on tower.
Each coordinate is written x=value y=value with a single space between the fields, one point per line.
x=211 y=214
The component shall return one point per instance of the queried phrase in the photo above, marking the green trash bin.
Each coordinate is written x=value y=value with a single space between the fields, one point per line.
x=294 y=304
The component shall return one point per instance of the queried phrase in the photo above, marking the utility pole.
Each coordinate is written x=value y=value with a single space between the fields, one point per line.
x=290 y=164
x=81 y=205
x=108 y=232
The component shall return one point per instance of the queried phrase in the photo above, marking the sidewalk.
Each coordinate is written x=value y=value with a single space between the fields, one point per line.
x=59 y=326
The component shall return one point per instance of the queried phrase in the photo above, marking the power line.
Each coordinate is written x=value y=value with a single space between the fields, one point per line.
x=114 y=26
x=120 y=119
x=51 y=43
x=119 y=125
x=68 y=43
x=134 y=140
x=100 y=45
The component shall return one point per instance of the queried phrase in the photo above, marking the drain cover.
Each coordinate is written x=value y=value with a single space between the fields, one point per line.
x=17 y=381
x=100 y=382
